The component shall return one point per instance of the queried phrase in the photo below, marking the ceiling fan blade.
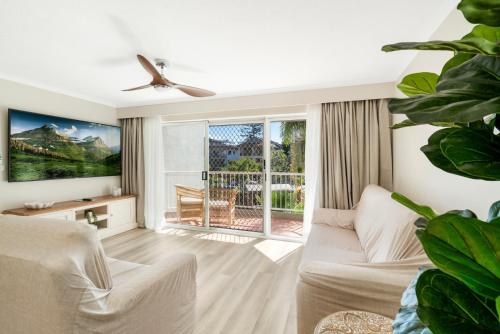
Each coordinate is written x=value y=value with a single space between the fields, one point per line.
x=137 y=88
x=193 y=91
x=149 y=68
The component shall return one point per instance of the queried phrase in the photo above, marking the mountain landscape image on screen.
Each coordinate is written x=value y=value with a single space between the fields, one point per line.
x=45 y=147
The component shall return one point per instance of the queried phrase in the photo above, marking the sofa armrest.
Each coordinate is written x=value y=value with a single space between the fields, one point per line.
x=160 y=298
x=335 y=217
x=361 y=276
x=324 y=288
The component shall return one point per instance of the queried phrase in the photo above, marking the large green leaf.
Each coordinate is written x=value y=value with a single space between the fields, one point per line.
x=433 y=152
x=458 y=59
x=465 y=93
x=479 y=76
x=403 y=124
x=407 y=123
x=491 y=34
x=481 y=11
x=422 y=210
x=467 y=249
x=419 y=83
x=444 y=107
x=474 y=45
x=474 y=152
x=447 y=306
x=481 y=40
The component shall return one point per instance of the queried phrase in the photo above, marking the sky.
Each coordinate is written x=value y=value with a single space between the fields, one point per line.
x=275 y=132
x=22 y=121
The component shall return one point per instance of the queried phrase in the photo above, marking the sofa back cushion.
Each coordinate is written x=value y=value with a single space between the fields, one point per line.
x=384 y=227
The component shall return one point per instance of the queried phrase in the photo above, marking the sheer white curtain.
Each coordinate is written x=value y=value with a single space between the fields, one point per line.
x=154 y=184
x=312 y=164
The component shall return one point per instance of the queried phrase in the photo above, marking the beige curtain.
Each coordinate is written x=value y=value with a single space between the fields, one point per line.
x=356 y=150
x=133 y=163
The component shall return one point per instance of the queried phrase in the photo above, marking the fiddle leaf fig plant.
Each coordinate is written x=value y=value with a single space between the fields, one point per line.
x=462 y=295
x=465 y=100
x=449 y=306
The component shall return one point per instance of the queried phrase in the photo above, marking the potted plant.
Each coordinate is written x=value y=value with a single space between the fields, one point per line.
x=462 y=295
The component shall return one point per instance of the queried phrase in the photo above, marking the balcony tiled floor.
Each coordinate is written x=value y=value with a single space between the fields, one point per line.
x=287 y=225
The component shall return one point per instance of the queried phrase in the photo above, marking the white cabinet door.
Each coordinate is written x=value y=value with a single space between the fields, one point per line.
x=66 y=215
x=121 y=212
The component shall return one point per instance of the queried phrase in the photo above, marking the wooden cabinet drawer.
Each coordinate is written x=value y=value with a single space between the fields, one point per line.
x=66 y=215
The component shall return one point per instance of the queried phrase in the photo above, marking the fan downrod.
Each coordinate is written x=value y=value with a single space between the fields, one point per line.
x=162 y=63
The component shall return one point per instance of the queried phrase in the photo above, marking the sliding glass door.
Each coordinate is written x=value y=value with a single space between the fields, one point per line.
x=241 y=176
x=185 y=163
x=287 y=178
x=236 y=176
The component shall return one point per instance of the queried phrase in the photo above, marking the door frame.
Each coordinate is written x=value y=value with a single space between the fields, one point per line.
x=266 y=121
x=264 y=169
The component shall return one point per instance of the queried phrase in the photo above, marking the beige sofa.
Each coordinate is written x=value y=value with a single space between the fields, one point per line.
x=357 y=259
x=55 y=278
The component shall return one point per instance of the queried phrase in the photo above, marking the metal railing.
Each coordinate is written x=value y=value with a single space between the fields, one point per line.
x=287 y=189
x=288 y=192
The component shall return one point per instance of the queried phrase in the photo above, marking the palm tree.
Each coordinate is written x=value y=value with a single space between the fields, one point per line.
x=293 y=134
x=290 y=130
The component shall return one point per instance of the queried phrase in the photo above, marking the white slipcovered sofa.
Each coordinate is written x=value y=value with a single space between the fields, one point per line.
x=359 y=259
x=55 y=278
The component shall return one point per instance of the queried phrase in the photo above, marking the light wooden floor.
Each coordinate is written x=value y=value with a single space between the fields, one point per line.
x=245 y=285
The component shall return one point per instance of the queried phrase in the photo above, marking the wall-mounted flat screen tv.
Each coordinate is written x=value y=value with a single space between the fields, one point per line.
x=43 y=147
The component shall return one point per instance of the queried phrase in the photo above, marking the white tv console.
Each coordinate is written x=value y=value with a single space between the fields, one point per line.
x=114 y=214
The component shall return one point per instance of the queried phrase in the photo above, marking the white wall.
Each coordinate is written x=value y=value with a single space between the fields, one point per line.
x=22 y=97
x=414 y=175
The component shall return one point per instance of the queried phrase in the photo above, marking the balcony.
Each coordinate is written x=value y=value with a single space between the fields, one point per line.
x=245 y=210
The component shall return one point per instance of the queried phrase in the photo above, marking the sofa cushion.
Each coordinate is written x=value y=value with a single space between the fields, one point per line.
x=384 y=227
x=332 y=244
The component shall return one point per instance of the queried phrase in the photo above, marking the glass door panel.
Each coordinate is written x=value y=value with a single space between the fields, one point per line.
x=287 y=177
x=236 y=176
x=184 y=151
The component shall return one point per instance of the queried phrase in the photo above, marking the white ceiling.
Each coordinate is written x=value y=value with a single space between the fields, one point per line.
x=234 y=47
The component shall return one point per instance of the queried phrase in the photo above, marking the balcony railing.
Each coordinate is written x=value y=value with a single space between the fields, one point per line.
x=287 y=189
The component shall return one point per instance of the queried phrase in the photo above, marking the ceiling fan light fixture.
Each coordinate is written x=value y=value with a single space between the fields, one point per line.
x=161 y=88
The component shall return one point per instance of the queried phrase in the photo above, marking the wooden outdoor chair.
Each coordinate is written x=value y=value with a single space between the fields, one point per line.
x=223 y=204
x=190 y=202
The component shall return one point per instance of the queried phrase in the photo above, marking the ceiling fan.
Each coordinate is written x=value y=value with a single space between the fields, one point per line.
x=161 y=83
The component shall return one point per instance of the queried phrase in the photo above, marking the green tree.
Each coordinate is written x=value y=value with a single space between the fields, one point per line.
x=253 y=130
x=243 y=165
x=280 y=162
